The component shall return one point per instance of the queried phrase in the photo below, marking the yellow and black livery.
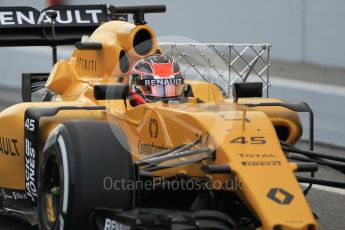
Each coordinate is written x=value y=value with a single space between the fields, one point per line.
x=61 y=157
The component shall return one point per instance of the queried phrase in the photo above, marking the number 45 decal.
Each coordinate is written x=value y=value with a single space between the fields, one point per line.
x=30 y=124
x=251 y=140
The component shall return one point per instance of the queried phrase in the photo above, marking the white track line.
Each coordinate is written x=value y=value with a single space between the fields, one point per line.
x=308 y=86
x=326 y=189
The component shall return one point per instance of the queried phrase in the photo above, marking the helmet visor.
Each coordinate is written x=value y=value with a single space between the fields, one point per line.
x=160 y=87
x=166 y=90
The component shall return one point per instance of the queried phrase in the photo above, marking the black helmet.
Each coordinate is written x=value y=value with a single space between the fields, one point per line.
x=154 y=78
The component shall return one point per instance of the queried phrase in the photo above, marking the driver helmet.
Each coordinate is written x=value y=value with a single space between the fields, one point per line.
x=155 y=78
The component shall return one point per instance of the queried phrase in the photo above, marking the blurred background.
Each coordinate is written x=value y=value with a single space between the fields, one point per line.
x=304 y=31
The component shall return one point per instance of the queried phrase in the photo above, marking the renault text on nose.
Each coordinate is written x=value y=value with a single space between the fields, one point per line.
x=114 y=225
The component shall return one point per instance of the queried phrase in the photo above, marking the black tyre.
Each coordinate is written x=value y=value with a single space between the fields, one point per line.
x=77 y=159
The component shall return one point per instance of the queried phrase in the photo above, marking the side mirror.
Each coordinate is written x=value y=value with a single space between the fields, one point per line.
x=110 y=92
x=246 y=89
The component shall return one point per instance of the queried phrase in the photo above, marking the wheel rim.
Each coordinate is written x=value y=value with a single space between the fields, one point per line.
x=50 y=192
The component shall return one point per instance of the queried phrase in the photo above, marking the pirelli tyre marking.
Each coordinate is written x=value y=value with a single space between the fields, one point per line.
x=65 y=174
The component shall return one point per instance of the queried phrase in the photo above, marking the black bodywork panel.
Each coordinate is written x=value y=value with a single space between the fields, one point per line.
x=31 y=142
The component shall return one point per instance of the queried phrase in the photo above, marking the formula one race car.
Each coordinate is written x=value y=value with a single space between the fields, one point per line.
x=124 y=139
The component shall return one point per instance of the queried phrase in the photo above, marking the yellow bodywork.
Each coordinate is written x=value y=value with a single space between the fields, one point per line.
x=244 y=138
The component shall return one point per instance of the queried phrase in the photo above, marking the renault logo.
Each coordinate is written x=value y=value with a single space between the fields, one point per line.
x=280 y=196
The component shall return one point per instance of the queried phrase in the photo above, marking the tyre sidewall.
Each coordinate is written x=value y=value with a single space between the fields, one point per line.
x=87 y=165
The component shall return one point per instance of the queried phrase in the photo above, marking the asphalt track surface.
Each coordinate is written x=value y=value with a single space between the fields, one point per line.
x=327 y=203
x=327 y=102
